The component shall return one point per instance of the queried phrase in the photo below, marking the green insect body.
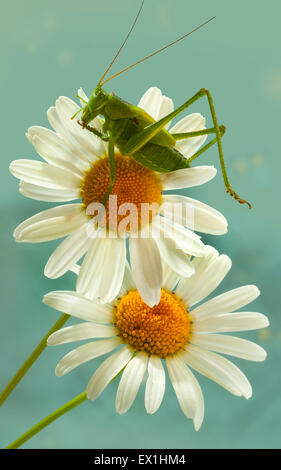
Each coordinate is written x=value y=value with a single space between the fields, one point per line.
x=123 y=120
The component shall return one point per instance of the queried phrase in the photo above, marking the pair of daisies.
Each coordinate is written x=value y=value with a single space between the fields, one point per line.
x=145 y=310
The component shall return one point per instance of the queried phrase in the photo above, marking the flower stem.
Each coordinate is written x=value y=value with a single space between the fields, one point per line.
x=49 y=419
x=31 y=359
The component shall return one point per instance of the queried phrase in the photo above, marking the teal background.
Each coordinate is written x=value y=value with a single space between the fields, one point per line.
x=52 y=48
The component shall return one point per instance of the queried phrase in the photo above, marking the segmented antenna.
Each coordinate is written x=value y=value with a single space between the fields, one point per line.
x=157 y=52
x=123 y=44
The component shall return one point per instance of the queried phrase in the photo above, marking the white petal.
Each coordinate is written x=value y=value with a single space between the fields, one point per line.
x=51 y=224
x=128 y=281
x=230 y=345
x=218 y=369
x=82 y=95
x=166 y=107
x=187 y=177
x=75 y=269
x=155 y=385
x=151 y=102
x=194 y=214
x=185 y=239
x=48 y=194
x=67 y=253
x=204 y=281
x=102 y=270
x=130 y=382
x=187 y=389
x=107 y=371
x=176 y=259
x=85 y=353
x=43 y=174
x=81 y=331
x=74 y=304
x=51 y=147
x=65 y=134
x=170 y=277
x=227 y=302
x=146 y=268
x=226 y=322
x=192 y=122
x=93 y=145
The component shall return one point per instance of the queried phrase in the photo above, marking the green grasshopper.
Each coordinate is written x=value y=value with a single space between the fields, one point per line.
x=138 y=135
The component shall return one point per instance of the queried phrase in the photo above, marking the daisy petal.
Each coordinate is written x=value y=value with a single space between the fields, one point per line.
x=227 y=302
x=66 y=109
x=170 y=277
x=85 y=353
x=146 y=269
x=151 y=102
x=227 y=322
x=231 y=345
x=43 y=174
x=74 y=304
x=51 y=147
x=187 y=177
x=155 y=385
x=218 y=369
x=81 y=331
x=107 y=371
x=194 y=214
x=65 y=134
x=48 y=194
x=185 y=239
x=67 y=253
x=99 y=276
x=128 y=281
x=130 y=382
x=166 y=107
x=192 y=122
x=176 y=259
x=51 y=224
x=82 y=95
x=187 y=389
x=204 y=281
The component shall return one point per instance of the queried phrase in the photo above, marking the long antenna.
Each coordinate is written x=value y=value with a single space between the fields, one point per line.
x=123 y=44
x=157 y=52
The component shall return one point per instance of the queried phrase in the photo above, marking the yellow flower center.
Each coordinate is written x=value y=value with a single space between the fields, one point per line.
x=160 y=330
x=134 y=184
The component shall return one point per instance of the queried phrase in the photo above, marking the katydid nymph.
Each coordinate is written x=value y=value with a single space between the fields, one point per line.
x=136 y=134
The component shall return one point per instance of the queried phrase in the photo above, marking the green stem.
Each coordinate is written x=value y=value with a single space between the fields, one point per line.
x=48 y=420
x=31 y=359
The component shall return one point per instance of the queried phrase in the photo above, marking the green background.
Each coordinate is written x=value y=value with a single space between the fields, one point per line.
x=52 y=48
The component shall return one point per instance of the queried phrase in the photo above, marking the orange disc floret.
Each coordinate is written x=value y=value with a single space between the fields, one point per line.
x=160 y=330
x=134 y=184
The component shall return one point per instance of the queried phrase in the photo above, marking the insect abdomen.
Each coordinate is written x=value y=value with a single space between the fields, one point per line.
x=160 y=158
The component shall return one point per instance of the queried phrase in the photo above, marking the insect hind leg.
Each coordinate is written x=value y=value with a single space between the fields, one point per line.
x=229 y=190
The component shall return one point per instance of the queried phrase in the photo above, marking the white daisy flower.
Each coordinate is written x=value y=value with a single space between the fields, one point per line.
x=77 y=166
x=176 y=332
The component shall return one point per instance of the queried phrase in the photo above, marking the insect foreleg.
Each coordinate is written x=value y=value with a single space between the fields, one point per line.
x=112 y=170
x=99 y=134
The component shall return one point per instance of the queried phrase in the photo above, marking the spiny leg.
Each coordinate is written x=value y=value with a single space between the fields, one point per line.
x=186 y=135
x=104 y=137
x=218 y=134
